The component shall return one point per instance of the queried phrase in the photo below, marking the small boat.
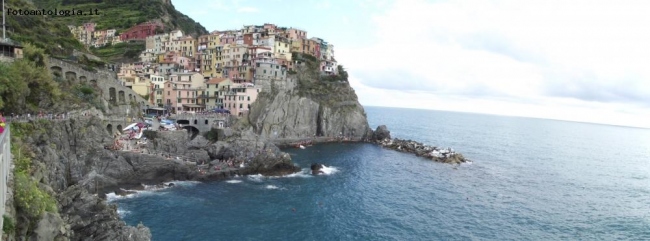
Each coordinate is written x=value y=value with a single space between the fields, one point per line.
x=302 y=147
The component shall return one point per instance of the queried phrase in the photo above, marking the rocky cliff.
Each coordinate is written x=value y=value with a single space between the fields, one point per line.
x=306 y=106
x=70 y=163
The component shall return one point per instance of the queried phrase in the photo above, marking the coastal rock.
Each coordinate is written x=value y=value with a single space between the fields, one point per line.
x=91 y=218
x=316 y=168
x=448 y=155
x=381 y=133
x=50 y=227
x=296 y=111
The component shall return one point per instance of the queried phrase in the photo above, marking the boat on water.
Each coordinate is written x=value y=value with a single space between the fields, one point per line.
x=301 y=147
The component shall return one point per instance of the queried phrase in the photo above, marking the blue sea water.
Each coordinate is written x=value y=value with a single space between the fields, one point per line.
x=530 y=179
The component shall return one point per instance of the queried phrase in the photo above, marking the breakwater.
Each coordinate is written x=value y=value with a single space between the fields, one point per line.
x=382 y=137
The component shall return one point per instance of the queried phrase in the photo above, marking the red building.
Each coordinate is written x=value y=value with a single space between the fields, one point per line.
x=141 y=31
x=248 y=39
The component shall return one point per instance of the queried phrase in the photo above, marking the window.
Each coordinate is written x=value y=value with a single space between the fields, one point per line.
x=249 y=99
x=240 y=106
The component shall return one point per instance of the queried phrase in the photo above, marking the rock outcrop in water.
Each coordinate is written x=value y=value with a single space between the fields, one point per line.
x=316 y=168
x=382 y=137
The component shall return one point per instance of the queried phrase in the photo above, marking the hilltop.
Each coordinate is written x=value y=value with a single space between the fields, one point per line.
x=123 y=14
x=54 y=38
x=52 y=33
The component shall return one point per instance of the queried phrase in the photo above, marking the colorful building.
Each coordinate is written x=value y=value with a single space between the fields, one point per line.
x=141 y=31
x=240 y=98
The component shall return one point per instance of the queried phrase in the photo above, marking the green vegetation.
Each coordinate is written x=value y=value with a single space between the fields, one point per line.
x=123 y=14
x=26 y=86
x=130 y=51
x=325 y=89
x=41 y=31
x=30 y=199
x=8 y=224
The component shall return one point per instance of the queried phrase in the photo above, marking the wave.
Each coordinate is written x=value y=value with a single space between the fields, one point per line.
x=329 y=170
x=148 y=189
x=233 y=181
x=271 y=187
x=121 y=212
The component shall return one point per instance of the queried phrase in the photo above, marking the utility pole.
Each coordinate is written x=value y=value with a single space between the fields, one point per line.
x=4 y=30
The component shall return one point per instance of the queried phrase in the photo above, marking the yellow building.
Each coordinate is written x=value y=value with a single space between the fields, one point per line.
x=282 y=49
x=160 y=58
x=210 y=97
x=296 y=46
x=188 y=46
x=141 y=86
x=214 y=40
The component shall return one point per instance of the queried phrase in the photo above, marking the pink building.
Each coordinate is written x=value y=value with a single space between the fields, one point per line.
x=170 y=97
x=184 y=90
x=227 y=39
x=240 y=98
x=89 y=27
x=295 y=34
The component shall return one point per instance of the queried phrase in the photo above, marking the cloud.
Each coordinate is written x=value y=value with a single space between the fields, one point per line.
x=324 y=4
x=522 y=51
x=247 y=10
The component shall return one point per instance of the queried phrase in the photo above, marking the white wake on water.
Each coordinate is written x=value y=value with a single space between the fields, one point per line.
x=329 y=170
x=233 y=181
x=149 y=190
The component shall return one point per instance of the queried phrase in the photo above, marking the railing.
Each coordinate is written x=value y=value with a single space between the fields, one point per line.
x=5 y=164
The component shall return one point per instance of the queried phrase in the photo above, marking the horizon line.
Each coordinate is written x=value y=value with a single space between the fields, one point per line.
x=520 y=116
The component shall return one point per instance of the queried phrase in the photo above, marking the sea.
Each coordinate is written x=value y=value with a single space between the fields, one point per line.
x=529 y=179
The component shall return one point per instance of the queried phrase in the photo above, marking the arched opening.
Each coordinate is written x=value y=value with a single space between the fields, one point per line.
x=206 y=121
x=109 y=128
x=93 y=82
x=183 y=122
x=112 y=95
x=56 y=71
x=120 y=96
x=119 y=128
x=71 y=76
x=82 y=79
x=196 y=121
x=130 y=97
x=193 y=131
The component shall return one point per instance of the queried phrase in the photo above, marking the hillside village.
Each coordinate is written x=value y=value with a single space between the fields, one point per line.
x=221 y=70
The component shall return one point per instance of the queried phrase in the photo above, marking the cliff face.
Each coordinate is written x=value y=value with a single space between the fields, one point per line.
x=71 y=164
x=306 y=107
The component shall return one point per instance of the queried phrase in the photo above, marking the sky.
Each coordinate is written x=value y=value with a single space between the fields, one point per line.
x=586 y=61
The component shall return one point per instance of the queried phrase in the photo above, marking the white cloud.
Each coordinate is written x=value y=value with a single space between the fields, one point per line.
x=247 y=10
x=585 y=57
x=324 y=4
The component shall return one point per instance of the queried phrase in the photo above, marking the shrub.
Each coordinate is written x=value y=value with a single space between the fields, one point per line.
x=8 y=225
x=30 y=198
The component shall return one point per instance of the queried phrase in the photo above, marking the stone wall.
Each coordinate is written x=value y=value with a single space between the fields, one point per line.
x=110 y=88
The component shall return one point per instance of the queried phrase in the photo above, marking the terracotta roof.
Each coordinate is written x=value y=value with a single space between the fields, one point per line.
x=215 y=80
